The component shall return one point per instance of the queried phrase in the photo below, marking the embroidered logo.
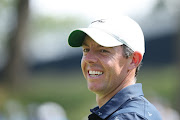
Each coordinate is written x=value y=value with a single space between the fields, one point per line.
x=149 y=114
x=99 y=21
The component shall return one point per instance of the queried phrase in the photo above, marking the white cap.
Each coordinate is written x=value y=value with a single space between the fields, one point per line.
x=111 y=33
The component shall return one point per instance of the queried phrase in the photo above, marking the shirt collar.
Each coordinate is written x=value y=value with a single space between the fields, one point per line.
x=117 y=100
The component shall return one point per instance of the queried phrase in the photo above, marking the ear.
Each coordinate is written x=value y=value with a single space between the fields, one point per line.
x=136 y=59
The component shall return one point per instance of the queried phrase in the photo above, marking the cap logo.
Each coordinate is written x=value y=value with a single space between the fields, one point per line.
x=99 y=21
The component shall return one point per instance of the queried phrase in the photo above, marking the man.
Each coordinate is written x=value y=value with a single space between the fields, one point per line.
x=112 y=53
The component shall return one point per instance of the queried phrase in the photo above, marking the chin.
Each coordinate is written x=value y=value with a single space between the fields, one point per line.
x=94 y=88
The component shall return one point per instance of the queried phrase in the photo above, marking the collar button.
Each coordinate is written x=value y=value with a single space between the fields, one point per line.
x=99 y=113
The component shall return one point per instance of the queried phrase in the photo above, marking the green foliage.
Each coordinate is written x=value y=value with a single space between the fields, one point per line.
x=70 y=92
x=160 y=82
x=5 y=3
x=49 y=23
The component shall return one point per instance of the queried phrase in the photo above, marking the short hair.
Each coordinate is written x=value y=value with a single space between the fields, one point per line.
x=127 y=52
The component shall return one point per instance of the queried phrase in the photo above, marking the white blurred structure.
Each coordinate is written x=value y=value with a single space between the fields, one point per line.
x=51 y=111
x=167 y=113
x=165 y=110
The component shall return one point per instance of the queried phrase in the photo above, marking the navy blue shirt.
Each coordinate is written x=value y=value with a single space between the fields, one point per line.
x=127 y=104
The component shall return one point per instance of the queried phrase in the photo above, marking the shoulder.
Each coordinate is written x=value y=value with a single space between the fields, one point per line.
x=127 y=116
x=137 y=108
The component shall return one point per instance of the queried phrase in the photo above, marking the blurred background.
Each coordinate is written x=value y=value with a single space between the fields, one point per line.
x=40 y=75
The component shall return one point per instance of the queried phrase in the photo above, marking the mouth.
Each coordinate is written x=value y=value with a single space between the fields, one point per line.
x=94 y=73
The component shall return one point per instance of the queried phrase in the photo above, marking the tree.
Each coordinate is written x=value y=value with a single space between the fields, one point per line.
x=16 y=69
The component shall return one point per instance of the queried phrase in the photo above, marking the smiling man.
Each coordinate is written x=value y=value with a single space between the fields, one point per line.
x=112 y=53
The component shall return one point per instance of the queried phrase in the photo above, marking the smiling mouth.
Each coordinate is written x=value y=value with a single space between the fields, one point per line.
x=95 y=73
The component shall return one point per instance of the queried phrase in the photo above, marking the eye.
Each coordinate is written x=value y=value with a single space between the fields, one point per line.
x=103 y=51
x=85 y=50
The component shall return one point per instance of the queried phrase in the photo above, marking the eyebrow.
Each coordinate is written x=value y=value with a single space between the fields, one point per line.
x=84 y=44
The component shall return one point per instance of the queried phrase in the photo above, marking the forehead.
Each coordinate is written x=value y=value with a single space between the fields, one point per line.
x=89 y=41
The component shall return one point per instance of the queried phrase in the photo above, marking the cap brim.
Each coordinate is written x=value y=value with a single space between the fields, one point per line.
x=76 y=37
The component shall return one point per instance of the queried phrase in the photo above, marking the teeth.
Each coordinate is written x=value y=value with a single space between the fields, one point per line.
x=93 y=75
x=95 y=72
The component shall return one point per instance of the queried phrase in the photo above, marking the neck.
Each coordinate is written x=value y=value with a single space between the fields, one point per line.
x=102 y=99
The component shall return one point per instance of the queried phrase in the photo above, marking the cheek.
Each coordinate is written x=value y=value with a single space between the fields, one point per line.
x=115 y=66
x=83 y=66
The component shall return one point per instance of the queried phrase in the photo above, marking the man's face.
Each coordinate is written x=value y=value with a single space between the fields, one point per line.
x=103 y=67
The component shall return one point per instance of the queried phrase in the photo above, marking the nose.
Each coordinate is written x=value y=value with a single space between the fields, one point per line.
x=90 y=57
